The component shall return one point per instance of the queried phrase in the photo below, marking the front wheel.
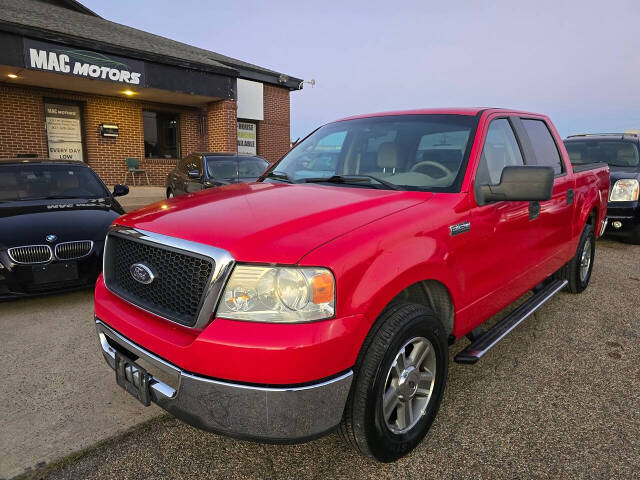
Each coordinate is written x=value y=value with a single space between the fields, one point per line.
x=399 y=382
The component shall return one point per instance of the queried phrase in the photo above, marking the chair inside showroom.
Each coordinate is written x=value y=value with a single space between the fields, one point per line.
x=133 y=167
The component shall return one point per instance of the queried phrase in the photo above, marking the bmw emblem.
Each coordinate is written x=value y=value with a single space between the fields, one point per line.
x=51 y=238
x=142 y=273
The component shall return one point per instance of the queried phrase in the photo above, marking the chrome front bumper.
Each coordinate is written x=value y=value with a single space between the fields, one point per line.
x=269 y=414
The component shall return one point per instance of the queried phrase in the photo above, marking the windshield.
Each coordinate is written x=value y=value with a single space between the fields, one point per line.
x=425 y=152
x=617 y=153
x=34 y=181
x=222 y=167
x=251 y=167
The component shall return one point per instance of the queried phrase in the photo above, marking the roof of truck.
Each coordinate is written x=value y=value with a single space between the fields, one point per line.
x=440 y=111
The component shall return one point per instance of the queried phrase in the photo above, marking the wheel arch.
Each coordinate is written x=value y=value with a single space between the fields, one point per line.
x=432 y=294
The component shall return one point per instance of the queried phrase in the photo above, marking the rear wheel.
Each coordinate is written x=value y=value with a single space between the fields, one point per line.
x=578 y=271
x=399 y=381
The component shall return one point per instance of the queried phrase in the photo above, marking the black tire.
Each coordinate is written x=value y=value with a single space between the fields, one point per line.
x=363 y=425
x=571 y=272
x=170 y=193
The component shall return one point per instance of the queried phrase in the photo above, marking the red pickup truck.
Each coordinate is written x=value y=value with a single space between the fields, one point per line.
x=327 y=293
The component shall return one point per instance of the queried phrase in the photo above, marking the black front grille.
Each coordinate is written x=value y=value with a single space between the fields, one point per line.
x=180 y=279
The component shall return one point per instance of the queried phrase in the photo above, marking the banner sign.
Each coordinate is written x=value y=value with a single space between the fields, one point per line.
x=247 y=138
x=64 y=132
x=52 y=57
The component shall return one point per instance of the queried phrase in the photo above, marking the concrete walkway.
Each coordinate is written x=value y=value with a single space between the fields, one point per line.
x=140 y=196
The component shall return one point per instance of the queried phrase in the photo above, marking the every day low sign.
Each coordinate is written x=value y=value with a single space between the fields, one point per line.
x=64 y=134
x=52 y=57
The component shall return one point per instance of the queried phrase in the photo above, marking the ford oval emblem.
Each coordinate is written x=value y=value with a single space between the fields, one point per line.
x=141 y=273
x=51 y=238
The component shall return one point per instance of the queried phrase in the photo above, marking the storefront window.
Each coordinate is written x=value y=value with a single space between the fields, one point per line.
x=161 y=134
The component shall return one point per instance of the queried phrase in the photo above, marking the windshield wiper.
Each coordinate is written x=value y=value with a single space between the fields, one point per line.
x=353 y=180
x=282 y=176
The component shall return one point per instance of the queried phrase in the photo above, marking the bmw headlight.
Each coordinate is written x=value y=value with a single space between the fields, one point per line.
x=624 y=190
x=278 y=294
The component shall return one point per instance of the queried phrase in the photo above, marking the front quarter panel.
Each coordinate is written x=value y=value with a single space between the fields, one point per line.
x=374 y=263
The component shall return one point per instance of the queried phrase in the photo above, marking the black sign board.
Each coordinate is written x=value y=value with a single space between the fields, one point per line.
x=63 y=59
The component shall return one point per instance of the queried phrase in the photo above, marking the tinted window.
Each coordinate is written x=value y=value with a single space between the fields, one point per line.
x=616 y=153
x=222 y=167
x=160 y=134
x=34 y=181
x=500 y=150
x=544 y=147
x=251 y=167
x=386 y=147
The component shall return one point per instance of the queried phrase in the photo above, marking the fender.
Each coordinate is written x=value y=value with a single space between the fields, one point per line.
x=391 y=255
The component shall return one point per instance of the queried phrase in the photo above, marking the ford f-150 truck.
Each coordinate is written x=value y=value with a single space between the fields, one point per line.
x=327 y=293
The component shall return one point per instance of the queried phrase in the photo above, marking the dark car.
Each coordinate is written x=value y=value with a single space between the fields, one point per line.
x=54 y=217
x=620 y=151
x=206 y=170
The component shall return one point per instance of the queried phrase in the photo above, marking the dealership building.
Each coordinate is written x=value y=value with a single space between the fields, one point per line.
x=76 y=86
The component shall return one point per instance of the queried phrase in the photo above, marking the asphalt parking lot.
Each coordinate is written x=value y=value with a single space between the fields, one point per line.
x=559 y=398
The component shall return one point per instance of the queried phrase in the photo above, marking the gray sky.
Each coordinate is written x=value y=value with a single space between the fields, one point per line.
x=578 y=61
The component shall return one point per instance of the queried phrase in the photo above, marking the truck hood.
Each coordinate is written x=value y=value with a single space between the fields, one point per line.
x=29 y=222
x=270 y=222
x=618 y=173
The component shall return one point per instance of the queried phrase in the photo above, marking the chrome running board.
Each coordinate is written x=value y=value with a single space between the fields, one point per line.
x=490 y=338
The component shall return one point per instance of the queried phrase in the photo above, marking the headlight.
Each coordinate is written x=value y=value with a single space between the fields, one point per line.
x=625 y=190
x=278 y=294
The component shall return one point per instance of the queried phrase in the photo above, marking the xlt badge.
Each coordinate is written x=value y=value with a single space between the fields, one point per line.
x=459 y=228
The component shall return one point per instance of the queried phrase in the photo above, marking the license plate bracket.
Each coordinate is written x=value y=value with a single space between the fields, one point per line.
x=133 y=378
x=55 y=272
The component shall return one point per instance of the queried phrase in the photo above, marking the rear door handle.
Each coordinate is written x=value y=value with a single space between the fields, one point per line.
x=570 y=196
x=534 y=210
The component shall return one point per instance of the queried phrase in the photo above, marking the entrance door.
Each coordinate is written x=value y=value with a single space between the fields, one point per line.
x=64 y=131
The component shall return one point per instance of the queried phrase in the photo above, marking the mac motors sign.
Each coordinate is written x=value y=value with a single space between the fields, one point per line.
x=51 y=57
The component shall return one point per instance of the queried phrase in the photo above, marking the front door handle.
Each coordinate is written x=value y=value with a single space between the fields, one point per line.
x=534 y=210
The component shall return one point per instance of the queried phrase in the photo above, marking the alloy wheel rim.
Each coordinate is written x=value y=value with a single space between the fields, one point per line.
x=409 y=385
x=585 y=260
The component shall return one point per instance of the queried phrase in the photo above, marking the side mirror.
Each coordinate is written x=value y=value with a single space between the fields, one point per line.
x=194 y=174
x=519 y=184
x=120 y=190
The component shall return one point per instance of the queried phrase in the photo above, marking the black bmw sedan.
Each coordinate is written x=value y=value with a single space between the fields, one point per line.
x=54 y=217
x=206 y=170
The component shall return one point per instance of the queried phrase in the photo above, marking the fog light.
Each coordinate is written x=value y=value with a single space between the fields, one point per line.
x=616 y=224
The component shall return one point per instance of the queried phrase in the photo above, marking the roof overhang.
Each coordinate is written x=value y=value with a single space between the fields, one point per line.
x=68 y=67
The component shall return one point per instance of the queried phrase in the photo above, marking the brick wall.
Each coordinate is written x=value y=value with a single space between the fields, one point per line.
x=274 y=131
x=213 y=128
x=22 y=120
x=222 y=126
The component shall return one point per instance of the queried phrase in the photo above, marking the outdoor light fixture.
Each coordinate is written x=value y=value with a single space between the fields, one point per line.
x=129 y=92
x=12 y=75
